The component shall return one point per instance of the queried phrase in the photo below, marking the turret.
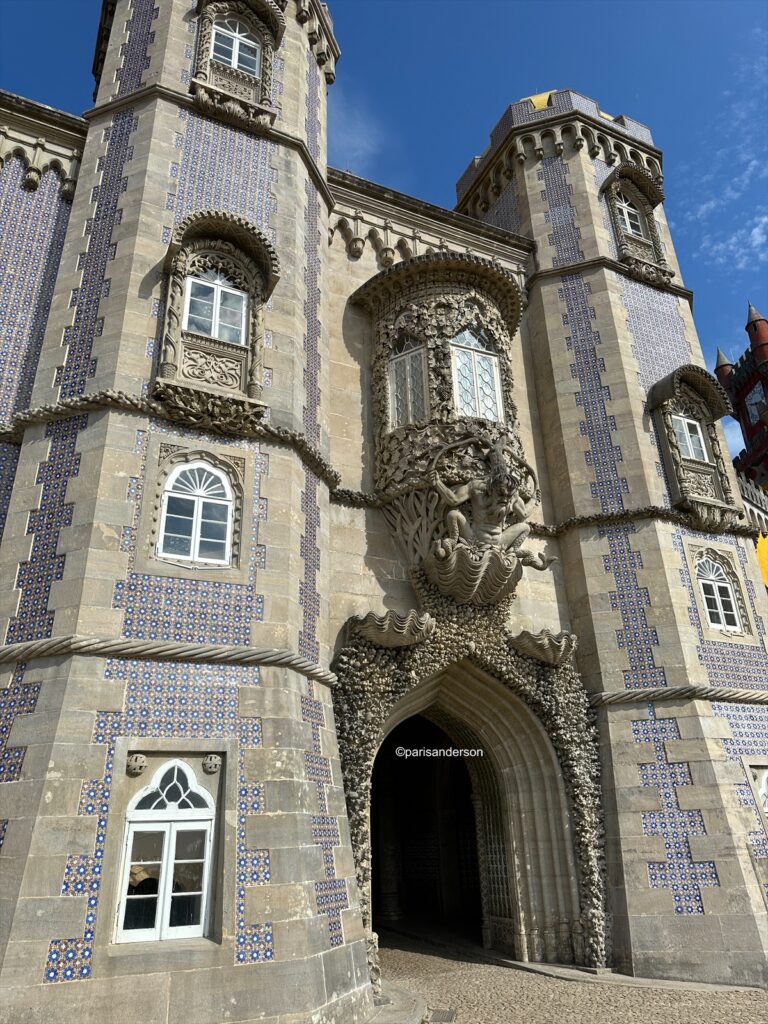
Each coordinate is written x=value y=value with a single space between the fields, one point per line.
x=757 y=330
x=723 y=368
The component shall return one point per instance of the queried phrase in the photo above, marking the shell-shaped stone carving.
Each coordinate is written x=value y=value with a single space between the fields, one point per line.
x=392 y=629
x=471 y=575
x=551 y=648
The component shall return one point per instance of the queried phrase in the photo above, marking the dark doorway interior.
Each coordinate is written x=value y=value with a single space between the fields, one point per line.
x=425 y=869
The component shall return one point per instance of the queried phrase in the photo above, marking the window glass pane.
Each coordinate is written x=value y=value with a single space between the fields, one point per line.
x=199 y=324
x=697 y=448
x=223 y=47
x=213 y=549
x=175 y=526
x=486 y=382
x=231 y=334
x=248 y=58
x=176 y=546
x=140 y=913
x=416 y=374
x=400 y=388
x=233 y=303
x=682 y=436
x=185 y=911
x=184 y=507
x=201 y=292
x=190 y=844
x=215 y=512
x=466 y=399
x=213 y=531
x=147 y=846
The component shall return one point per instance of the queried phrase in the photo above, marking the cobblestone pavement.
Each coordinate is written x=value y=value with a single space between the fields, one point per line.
x=483 y=993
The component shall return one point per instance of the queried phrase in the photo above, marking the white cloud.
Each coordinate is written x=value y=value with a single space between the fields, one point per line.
x=743 y=248
x=355 y=137
x=733 y=436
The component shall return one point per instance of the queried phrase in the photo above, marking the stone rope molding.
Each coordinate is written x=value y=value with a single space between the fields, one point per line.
x=316 y=461
x=695 y=691
x=157 y=650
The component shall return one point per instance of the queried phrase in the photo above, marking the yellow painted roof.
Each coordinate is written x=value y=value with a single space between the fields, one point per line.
x=762 y=556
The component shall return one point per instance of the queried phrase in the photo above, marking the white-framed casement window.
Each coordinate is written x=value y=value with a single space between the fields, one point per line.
x=196 y=515
x=631 y=218
x=214 y=307
x=476 y=381
x=165 y=877
x=409 y=398
x=236 y=46
x=719 y=598
x=689 y=438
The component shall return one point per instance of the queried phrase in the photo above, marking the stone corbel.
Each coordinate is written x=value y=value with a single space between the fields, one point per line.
x=70 y=180
x=382 y=245
x=350 y=232
x=34 y=171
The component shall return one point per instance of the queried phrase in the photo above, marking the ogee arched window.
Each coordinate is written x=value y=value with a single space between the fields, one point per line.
x=166 y=869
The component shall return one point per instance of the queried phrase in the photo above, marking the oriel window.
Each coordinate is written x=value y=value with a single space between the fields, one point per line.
x=235 y=45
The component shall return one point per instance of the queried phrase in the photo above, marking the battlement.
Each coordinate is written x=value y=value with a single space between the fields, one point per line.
x=542 y=107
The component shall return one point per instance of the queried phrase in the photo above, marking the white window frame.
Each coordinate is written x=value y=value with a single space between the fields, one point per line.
x=717 y=586
x=475 y=352
x=407 y=357
x=247 y=36
x=687 y=423
x=169 y=822
x=218 y=288
x=198 y=499
x=626 y=208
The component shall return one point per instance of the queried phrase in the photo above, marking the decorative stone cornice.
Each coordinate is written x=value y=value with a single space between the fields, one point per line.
x=44 y=138
x=694 y=691
x=485 y=274
x=528 y=142
x=626 y=269
x=409 y=226
x=158 y=650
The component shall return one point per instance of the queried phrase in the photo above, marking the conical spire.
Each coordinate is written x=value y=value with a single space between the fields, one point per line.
x=753 y=315
x=722 y=360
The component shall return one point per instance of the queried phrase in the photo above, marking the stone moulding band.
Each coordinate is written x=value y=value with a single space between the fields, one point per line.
x=158 y=650
x=316 y=461
x=693 y=692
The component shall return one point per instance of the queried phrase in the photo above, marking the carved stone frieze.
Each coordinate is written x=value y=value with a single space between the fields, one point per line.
x=220 y=414
x=220 y=371
x=392 y=629
x=551 y=648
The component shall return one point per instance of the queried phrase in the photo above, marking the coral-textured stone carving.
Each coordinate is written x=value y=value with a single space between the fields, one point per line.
x=371 y=681
x=551 y=648
x=392 y=629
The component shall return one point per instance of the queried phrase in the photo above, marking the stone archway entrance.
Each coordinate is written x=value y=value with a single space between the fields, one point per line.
x=426 y=874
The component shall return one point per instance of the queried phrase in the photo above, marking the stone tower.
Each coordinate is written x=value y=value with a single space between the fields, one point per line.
x=640 y=480
x=137 y=651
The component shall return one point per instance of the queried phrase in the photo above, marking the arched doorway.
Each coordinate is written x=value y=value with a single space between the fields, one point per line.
x=426 y=874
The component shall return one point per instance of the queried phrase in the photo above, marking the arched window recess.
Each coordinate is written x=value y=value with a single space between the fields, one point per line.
x=720 y=589
x=686 y=405
x=233 y=70
x=476 y=375
x=633 y=193
x=165 y=876
x=221 y=270
x=408 y=382
x=197 y=515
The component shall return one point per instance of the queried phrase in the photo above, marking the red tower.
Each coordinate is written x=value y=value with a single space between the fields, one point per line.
x=746 y=381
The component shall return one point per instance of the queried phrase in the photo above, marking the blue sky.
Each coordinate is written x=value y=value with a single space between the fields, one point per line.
x=421 y=83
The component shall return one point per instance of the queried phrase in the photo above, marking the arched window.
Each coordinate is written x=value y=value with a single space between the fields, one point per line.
x=236 y=46
x=719 y=598
x=165 y=876
x=476 y=385
x=196 y=515
x=689 y=438
x=632 y=220
x=216 y=308
x=409 y=398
